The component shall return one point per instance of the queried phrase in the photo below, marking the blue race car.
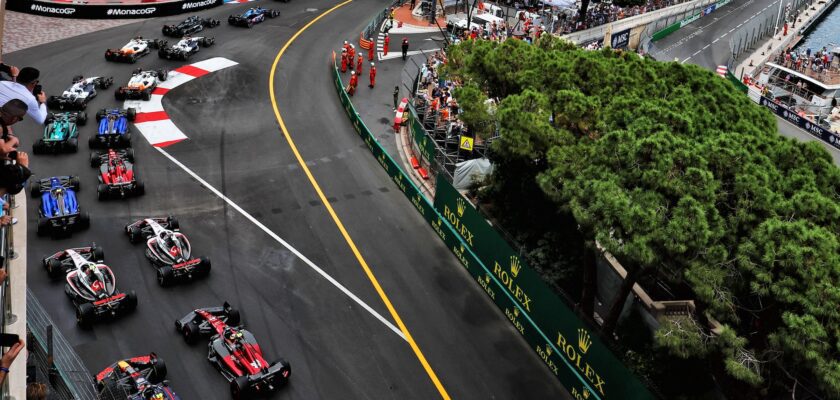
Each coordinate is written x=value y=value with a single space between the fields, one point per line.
x=136 y=378
x=61 y=133
x=252 y=16
x=59 y=213
x=113 y=128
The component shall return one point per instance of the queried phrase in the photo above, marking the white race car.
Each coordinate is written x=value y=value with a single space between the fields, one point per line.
x=134 y=49
x=141 y=84
x=185 y=48
x=79 y=93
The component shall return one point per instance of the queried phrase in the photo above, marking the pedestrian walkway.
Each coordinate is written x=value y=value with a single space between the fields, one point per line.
x=753 y=64
x=22 y=31
x=404 y=14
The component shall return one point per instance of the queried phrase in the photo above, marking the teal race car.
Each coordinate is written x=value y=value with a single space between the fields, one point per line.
x=61 y=133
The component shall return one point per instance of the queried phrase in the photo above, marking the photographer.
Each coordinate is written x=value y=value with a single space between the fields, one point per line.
x=14 y=171
x=27 y=89
x=10 y=113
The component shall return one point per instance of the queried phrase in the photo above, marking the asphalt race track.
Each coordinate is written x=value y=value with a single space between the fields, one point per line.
x=338 y=350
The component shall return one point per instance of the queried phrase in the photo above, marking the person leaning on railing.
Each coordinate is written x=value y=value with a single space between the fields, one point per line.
x=10 y=355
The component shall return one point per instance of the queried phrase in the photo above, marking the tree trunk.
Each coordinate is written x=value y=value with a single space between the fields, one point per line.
x=619 y=299
x=590 y=277
x=584 y=6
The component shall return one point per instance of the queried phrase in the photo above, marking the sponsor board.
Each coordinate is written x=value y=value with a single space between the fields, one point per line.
x=620 y=40
x=789 y=115
x=579 y=360
x=108 y=11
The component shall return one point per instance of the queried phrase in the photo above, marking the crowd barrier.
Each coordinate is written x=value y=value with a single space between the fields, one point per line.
x=109 y=11
x=582 y=363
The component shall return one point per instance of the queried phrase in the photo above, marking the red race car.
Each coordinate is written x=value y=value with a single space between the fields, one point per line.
x=116 y=174
x=234 y=351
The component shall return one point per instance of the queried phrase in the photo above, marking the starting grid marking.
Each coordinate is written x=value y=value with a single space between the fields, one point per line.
x=152 y=120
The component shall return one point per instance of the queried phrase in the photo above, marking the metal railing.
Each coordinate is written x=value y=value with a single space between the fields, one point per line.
x=69 y=378
x=6 y=256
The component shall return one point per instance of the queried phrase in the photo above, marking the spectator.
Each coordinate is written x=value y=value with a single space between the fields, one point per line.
x=36 y=391
x=10 y=70
x=10 y=113
x=25 y=89
x=9 y=357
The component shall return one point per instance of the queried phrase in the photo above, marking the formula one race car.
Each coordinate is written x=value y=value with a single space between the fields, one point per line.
x=61 y=133
x=59 y=264
x=59 y=212
x=79 y=93
x=252 y=16
x=234 y=351
x=190 y=26
x=136 y=378
x=116 y=174
x=141 y=84
x=168 y=249
x=134 y=49
x=113 y=128
x=91 y=287
x=185 y=48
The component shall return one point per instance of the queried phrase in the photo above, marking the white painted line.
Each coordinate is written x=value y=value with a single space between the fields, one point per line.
x=686 y=59
x=398 y=54
x=284 y=243
x=163 y=131
x=706 y=47
x=716 y=40
x=696 y=53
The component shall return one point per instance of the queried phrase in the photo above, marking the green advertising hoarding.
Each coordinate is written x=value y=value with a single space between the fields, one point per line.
x=424 y=143
x=582 y=364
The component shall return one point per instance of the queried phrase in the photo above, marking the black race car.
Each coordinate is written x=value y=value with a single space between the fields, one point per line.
x=234 y=352
x=82 y=91
x=168 y=249
x=252 y=16
x=90 y=286
x=190 y=26
x=185 y=48
x=136 y=378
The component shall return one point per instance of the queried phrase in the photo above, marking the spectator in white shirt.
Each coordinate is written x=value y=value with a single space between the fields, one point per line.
x=27 y=80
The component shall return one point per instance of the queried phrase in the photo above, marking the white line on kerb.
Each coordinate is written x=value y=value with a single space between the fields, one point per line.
x=284 y=244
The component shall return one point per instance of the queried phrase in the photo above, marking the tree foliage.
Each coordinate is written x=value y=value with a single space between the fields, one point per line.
x=679 y=175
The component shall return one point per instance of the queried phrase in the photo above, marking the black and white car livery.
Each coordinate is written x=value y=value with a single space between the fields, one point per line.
x=79 y=93
x=185 y=47
x=168 y=249
x=189 y=26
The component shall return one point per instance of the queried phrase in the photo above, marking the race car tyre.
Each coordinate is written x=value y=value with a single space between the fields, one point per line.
x=207 y=42
x=139 y=188
x=240 y=389
x=129 y=154
x=73 y=145
x=102 y=192
x=54 y=269
x=52 y=102
x=79 y=104
x=38 y=147
x=158 y=371
x=215 y=22
x=119 y=95
x=204 y=266
x=75 y=183
x=134 y=234
x=97 y=253
x=131 y=301
x=131 y=113
x=93 y=143
x=84 y=221
x=132 y=59
x=231 y=20
x=285 y=370
x=50 y=118
x=146 y=95
x=43 y=227
x=95 y=159
x=34 y=188
x=105 y=83
x=250 y=24
x=100 y=114
x=163 y=74
x=164 y=276
x=162 y=53
x=173 y=223
x=190 y=332
x=81 y=119
x=84 y=315
x=233 y=317
x=273 y=13
x=184 y=56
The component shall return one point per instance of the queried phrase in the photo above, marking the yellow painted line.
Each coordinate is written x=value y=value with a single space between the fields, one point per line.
x=336 y=219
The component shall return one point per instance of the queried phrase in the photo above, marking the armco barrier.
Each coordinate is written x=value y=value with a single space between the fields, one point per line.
x=109 y=11
x=578 y=359
x=676 y=26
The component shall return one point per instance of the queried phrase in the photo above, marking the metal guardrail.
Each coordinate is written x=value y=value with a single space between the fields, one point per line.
x=69 y=374
x=5 y=300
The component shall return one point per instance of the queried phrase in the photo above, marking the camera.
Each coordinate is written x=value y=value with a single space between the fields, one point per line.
x=12 y=155
x=37 y=90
